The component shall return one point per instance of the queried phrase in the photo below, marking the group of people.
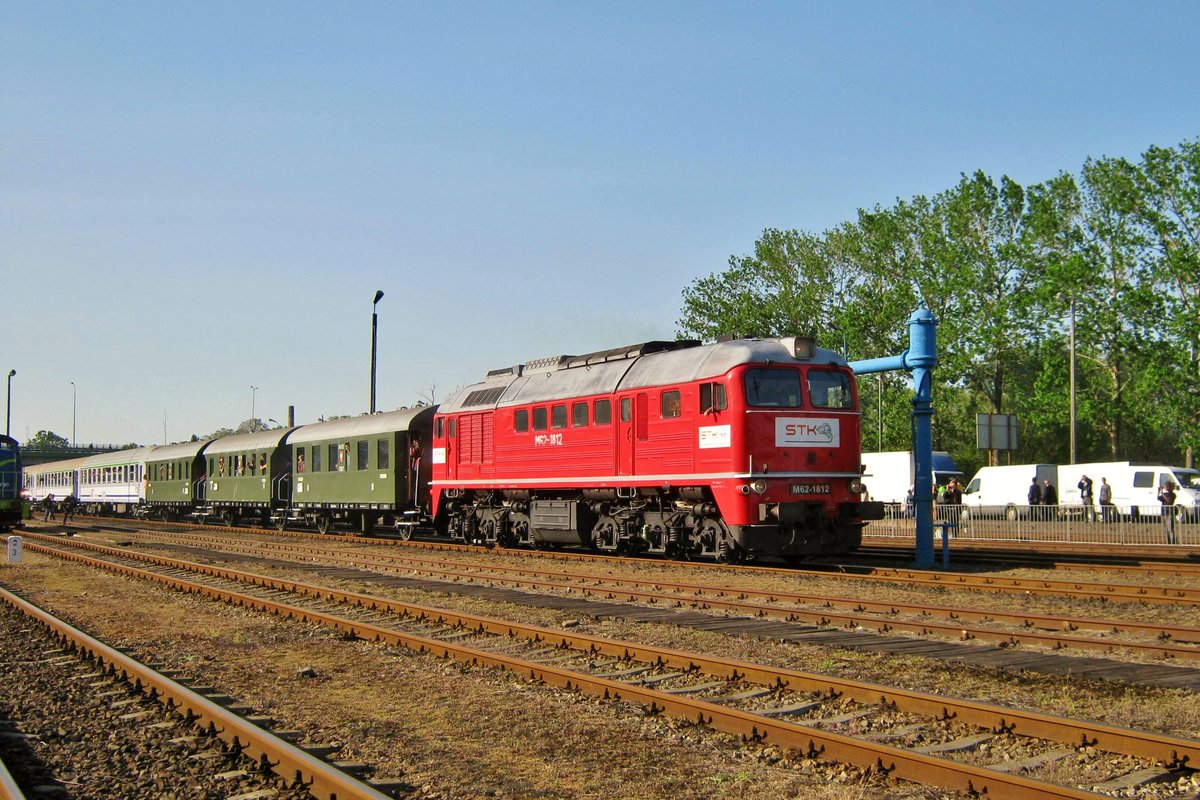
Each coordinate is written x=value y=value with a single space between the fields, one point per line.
x=69 y=505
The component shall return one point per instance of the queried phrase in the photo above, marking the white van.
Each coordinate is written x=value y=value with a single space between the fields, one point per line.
x=1134 y=486
x=889 y=475
x=1004 y=491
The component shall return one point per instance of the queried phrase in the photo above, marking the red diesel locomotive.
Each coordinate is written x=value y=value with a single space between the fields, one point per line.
x=733 y=450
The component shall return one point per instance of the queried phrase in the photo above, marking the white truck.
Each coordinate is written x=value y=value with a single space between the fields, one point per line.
x=1134 y=487
x=889 y=475
x=1004 y=490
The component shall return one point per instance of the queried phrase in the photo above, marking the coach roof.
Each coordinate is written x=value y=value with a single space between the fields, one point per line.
x=358 y=427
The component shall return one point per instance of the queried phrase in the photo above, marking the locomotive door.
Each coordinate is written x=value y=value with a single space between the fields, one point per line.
x=630 y=430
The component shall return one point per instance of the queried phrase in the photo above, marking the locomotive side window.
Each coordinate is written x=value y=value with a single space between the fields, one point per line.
x=626 y=409
x=712 y=398
x=579 y=415
x=773 y=388
x=829 y=389
x=602 y=412
x=453 y=427
x=539 y=418
x=671 y=406
x=558 y=416
x=521 y=420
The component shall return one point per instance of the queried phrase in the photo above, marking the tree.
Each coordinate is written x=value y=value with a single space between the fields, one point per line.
x=46 y=440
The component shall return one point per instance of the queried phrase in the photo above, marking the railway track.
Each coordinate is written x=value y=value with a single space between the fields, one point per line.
x=794 y=710
x=179 y=735
x=1054 y=632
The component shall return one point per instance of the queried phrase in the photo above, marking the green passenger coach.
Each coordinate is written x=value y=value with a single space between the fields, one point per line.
x=361 y=472
x=248 y=476
x=175 y=479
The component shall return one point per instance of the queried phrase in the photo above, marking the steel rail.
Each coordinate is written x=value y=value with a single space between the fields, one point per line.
x=1172 y=751
x=1163 y=595
x=8 y=787
x=286 y=760
x=710 y=597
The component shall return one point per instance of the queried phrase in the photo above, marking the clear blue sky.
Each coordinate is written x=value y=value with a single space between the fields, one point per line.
x=199 y=198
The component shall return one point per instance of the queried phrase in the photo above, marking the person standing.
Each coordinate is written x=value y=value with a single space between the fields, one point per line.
x=1035 y=498
x=1106 y=509
x=1166 y=496
x=1085 y=497
x=1049 y=498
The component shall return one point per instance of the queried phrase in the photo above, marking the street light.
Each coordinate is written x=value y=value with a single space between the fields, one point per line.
x=8 y=405
x=74 y=395
x=374 y=340
x=253 y=390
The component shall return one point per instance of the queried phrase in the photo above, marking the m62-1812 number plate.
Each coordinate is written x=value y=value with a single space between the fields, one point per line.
x=810 y=488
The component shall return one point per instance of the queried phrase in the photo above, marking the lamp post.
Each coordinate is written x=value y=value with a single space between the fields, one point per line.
x=8 y=405
x=374 y=341
x=253 y=391
x=1070 y=300
x=74 y=396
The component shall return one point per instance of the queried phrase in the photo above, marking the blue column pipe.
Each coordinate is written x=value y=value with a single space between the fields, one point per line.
x=920 y=358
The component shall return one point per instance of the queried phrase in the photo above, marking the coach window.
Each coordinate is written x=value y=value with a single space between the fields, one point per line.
x=334 y=466
x=364 y=452
x=521 y=420
x=539 y=418
x=579 y=415
x=773 y=388
x=602 y=412
x=712 y=398
x=558 y=416
x=829 y=389
x=383 y=454
x=670 y=404
x=316 y=458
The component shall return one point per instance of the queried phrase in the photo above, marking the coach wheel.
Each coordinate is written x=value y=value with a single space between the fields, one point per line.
x=324 y=523
x=227 y=519
x=405 y=531
x=281 y=522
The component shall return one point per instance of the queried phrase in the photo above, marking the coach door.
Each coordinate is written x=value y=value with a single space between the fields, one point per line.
x=632 y=429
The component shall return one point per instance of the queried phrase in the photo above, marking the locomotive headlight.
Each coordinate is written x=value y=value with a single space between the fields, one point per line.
x=856 y=486
x=759 y=486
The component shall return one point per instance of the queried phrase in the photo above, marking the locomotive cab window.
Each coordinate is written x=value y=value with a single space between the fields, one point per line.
x=712 y=398
x=829 y=389
x=671 y=406
x=773 y=388
x=521 y=420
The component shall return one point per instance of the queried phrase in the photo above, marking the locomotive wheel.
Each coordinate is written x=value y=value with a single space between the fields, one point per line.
x=324 y=523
